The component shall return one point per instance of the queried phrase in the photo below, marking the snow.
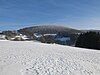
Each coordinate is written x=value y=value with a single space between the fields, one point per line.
x=22 y=36
x=2 y=37
x=33 y=58
x=37 y=35
x=63 y=39
x=50 y=34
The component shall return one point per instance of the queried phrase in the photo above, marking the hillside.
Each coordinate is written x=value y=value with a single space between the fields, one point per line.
x=32 y=58
x=49 y=29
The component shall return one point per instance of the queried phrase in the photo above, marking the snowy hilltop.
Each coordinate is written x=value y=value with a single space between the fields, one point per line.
x=33 y=58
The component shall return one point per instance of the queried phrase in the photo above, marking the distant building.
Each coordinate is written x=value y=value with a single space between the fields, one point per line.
x=24 y=37
x=21 y=37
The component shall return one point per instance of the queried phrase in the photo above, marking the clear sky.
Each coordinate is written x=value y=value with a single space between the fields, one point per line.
x=80 y=14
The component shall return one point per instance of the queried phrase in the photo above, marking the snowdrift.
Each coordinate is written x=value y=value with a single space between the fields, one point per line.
x=32 y=58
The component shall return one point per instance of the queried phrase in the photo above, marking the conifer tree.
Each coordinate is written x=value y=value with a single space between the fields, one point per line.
x=89 y=40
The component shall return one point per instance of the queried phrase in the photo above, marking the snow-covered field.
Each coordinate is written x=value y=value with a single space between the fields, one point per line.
x=32 y=58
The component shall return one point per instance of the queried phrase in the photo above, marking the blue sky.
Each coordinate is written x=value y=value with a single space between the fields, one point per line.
x=79 y=14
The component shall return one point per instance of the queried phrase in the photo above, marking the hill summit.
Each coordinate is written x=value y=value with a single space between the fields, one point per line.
x=49 y=29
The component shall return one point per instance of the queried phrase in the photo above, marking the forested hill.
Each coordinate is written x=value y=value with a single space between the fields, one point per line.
x=49 y=30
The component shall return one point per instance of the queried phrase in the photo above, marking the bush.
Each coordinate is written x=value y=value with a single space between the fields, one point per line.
x=8 y=38
x=47 y=39
x=89 y=40
x=10 y=34
x=42 y=39
x=18 y=39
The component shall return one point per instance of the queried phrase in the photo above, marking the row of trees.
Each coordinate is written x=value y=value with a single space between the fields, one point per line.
x=89 y=40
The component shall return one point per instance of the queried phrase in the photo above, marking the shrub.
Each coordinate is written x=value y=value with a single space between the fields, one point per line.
x=8 y=38
x=42 y=39
x=18 y=39
x=47 y=39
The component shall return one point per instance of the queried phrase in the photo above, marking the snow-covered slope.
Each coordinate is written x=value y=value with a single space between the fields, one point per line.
x=31 y=58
